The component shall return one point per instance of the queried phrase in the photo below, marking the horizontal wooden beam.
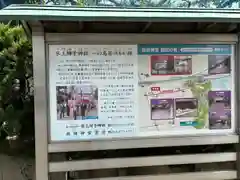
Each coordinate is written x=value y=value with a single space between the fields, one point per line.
x=212 y=175
x=141 y=143
x=112 y=163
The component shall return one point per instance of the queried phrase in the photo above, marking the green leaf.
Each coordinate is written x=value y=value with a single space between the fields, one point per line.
x=1 y=115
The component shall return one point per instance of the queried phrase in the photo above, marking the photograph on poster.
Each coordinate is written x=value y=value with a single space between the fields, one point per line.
x=186 y=107
x=162 y=109
x=219 y=64
x=171 y=65
x=77 y=102
x=219 y=109
x=183 y=65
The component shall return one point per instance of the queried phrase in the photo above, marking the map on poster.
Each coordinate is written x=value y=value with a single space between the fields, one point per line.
x=188 y=89
x=117 y=91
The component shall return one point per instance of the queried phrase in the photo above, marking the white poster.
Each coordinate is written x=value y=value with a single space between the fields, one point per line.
x=119 y=91
x=93 y=91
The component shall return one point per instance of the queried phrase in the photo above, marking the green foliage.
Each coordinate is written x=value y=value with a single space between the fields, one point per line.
x=200 y=91
x=16 y=97
x=80 y=3
x=138 y=3
x=33 y=2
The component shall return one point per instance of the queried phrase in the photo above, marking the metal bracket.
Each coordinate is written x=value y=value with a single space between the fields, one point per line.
x=66 y=176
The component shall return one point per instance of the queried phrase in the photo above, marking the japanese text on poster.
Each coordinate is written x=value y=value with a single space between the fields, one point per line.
x=117 y=91
x=94 y=91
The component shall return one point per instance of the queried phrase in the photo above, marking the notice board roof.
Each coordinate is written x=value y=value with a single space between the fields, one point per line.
x=70 y=19
x=70 y=13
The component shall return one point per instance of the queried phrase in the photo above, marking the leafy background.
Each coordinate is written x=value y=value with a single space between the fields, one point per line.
x=16 y=91
x=132 y=3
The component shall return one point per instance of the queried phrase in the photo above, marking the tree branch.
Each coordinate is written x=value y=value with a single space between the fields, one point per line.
x=161 y=3
x=227 y=3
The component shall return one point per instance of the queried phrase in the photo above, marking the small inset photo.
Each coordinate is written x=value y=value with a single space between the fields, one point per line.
x=219 y=109
x=219 y=64
x=186 y=107
x=219 y=100
x=220 y=120
x=77 y=102
x=183 y=65
x=162 y=109
x=162 y=65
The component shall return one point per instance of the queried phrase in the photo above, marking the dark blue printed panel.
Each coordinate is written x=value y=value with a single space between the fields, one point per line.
x=186 y=49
